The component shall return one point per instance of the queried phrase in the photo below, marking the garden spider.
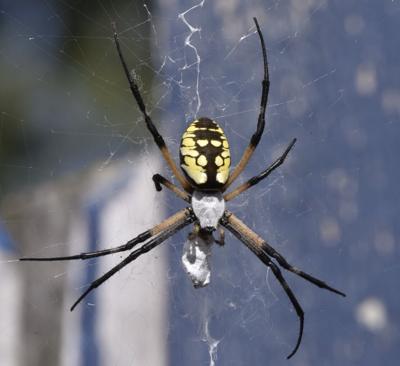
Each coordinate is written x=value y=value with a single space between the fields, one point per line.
x=205 y=162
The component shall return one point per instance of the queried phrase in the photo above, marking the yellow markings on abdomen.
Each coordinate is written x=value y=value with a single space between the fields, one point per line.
x=191 y=128
x=202 y=160
x=205 y=155
x=202 y=143
x=216 y=143
x=223 y=171
x=188 y=142
x=195 y=171
x=185 y=151
x=200 y=177
x=219 y=161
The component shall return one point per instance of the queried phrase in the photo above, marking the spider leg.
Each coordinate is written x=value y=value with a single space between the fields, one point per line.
x=180 y=224
x=158 y=139
x=275 y=270
x=250 y=236
x=255 y=139
x=164 y=225
x=299 y=310
x=253 y=181
x=160 y=180
x=263 y=251
x=282 y=262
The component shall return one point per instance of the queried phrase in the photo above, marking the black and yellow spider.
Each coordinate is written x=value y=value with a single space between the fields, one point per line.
x=205 y=162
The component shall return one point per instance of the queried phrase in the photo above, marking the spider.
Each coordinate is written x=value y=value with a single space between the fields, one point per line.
x=205 y=163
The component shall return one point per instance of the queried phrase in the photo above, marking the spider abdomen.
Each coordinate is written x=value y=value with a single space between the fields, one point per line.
x=204 y=155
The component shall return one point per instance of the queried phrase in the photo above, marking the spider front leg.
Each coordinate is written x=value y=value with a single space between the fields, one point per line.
x=255 y=139
x=158 y=139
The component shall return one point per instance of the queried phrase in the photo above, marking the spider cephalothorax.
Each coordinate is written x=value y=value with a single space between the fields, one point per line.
x=205 y=161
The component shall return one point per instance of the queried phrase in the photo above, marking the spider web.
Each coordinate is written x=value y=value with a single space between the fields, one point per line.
x=203 y=58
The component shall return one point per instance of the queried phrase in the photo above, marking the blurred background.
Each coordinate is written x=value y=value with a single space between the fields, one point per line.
x=75 y=174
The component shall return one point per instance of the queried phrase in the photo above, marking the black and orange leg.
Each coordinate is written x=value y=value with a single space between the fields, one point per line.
x=167 y=224
x=158 y=139
x=243 y=234
x=255 y=139
x=264 y=174
x=159 y=180
x=250 y=237
x=164 y=235
x=265 y=252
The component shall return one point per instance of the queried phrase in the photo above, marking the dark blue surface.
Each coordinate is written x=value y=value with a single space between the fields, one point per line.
x=347 y=153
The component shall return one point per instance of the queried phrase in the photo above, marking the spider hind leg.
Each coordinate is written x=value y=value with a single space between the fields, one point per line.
x=265 y=252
